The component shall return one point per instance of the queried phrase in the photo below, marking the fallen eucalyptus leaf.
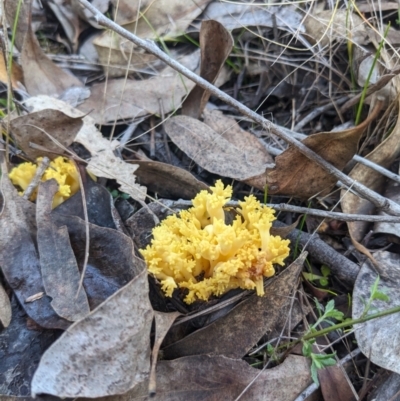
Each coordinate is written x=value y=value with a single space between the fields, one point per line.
x=106 y=353
x=59 y=268
x=211 y=150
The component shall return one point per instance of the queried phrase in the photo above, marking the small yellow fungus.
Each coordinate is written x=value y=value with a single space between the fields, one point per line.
x=198 y=251
x=61 y=169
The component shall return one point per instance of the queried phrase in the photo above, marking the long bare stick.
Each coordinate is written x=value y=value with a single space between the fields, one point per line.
x=379 y=201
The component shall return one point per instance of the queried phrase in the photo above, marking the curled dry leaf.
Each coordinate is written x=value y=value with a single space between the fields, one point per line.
x=378 y=339
x=118 y=99
x=215 y=44
x=168 y=181
x=384 y=155
x=41 y=128
x=41 y=75
x=297 y=175
x=234 y=334
x=103 y=162
x=213 y=151
x=57 y=261
x=19 y=259
x=106 y=353
x=5 y=308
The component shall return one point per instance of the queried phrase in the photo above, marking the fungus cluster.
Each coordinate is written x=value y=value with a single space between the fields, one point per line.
x=61 y=169
x=197 y=251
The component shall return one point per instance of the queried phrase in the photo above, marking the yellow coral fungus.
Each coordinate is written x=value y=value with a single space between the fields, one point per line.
x=61 y=169
x=198 y=251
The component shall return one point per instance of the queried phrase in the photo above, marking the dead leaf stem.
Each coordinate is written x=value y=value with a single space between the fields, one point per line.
x=378 y=200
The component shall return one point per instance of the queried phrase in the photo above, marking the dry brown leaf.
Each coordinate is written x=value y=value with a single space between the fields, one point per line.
x=58 y=265
x=234 y=334
x=212 y=151
x=168 y=181
x=19 y=259
x=297 y=175
x=215 y=44
x=106 y=353
x=103 y=162
x=160 y=93
x=384 y=155
x=5 y=308
x=41 y=75
x=32 y=128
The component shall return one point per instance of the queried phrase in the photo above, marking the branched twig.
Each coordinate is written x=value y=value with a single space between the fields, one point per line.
x=36 y=178
x=379 y=201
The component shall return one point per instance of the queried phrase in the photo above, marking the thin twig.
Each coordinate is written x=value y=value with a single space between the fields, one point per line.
x=311 y=212
x=36 y=178
x=378 y=200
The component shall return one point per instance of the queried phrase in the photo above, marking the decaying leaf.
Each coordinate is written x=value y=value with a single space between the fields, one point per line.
x=106 y=353
x=378 y=338
x=57 y=261
x=32 y=128
x=234 y=334
x=103 y=162
x=215 y=44
x=297 y=175
x=19 y=259
x=41 y=75
x=161 y=93
x=384 y=155
x=213 y=151
x=5 y=308
x=168 y=181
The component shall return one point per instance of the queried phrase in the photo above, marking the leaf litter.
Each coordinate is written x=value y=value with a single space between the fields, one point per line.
x=183 y=139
